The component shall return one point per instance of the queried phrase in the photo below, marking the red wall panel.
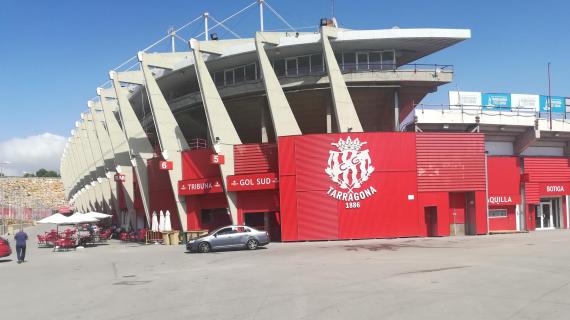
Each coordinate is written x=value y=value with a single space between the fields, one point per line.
x=440 y=200
x=161 y=196
x=532 y=193
x=504 y=176
x=507 y=223
x=457 y=203
x=255 y=158
x=288 y=205
x=196 y=165
x=481 y=212
x=389 y=212
x=450 y=162
x=286 y=155
x=547 y=169
x=318 y=216
x=544 y=170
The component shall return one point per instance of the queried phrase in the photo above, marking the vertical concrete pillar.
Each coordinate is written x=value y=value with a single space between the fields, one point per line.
x=120 y=149
x=263 y=120
x=222 y=131
x=139 y=145
x=80 y=152
x=345 y=112
x=94 y=196
x=170 y=136
x=284 y=121
x=329 y=117
x=396 y=110
x=97 y=161
x=107 y=154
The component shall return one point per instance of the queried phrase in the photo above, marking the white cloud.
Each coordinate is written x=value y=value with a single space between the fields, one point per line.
x=31 y=153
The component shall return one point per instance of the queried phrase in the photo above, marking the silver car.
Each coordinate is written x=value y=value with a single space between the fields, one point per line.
x=229 y=237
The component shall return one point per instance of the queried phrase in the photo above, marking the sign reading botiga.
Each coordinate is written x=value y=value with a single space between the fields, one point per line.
x=349 y=167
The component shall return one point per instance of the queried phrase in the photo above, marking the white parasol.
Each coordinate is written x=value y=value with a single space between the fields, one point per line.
x=77 y=218
x=161 y=222
x=154 y=223
x=98 y=215
x=167 y=224
x=57 y=218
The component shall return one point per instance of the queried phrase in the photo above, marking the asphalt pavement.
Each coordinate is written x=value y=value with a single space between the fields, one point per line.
x=514 y=276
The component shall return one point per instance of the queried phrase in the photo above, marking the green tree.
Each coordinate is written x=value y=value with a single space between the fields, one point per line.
x=45 y=173
x=28 y=175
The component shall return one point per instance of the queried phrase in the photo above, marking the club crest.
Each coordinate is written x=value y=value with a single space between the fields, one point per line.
x=349 y=167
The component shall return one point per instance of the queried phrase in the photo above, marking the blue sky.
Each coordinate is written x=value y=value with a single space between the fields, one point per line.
x=55 y=53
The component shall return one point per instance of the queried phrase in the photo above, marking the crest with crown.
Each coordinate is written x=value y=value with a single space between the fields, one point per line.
x=348 y=144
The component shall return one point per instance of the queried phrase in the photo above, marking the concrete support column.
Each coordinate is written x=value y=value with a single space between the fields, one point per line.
x=97 y=161
x=345 y=112
x=282 y=116
x=94 y=193
x=139 y=145
x=120 y=149
x=329 y=117
x=170 y=136
x=81 y=152
x=109 y=186
x=222 y=132
x=263 y=121
x=396 y=110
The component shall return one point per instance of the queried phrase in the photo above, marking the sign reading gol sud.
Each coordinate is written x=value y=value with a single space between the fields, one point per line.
x=199 y=186
x=554 y=189
x=261 y=181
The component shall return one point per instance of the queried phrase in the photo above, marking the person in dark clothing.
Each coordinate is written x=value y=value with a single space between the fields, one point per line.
x=21 y=238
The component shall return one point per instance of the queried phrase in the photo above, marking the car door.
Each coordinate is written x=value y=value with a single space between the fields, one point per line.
x=240 y=236
x=221 y=238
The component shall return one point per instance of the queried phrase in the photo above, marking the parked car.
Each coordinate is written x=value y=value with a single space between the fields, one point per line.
x=5 y=249
x=229 y=237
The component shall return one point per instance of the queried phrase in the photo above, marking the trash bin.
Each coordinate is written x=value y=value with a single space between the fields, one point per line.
x=165 y=239
x=174 y=238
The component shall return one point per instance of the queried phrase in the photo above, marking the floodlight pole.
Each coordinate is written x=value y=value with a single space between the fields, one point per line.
x=172 y=33
x=261 y=25
x=206 y=14
x=549 y=98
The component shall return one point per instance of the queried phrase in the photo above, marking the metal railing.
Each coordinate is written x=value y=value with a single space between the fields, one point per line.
x=478 y=110
x=391 y=67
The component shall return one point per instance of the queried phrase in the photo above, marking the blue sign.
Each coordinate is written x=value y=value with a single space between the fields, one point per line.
x=496 y=101
x=558 y=104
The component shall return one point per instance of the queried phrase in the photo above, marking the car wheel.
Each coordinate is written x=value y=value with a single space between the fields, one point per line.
x=204 y=247
x=252 y=244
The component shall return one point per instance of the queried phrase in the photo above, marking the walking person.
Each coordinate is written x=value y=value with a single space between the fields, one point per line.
x=21 y=238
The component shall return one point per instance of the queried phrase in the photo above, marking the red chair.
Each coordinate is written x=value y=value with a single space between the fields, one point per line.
x=42 y=242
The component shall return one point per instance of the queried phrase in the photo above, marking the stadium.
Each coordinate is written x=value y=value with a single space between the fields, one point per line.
x=316 y=136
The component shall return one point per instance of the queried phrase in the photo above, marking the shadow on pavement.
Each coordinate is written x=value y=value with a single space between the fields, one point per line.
x=5 y=260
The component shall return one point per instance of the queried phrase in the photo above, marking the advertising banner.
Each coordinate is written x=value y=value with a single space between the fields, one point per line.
x=462 y=98
x=527 y=102
x=496 y=101
x=558 y=104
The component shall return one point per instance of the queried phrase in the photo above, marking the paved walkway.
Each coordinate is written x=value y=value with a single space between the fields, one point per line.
x=514 y=276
